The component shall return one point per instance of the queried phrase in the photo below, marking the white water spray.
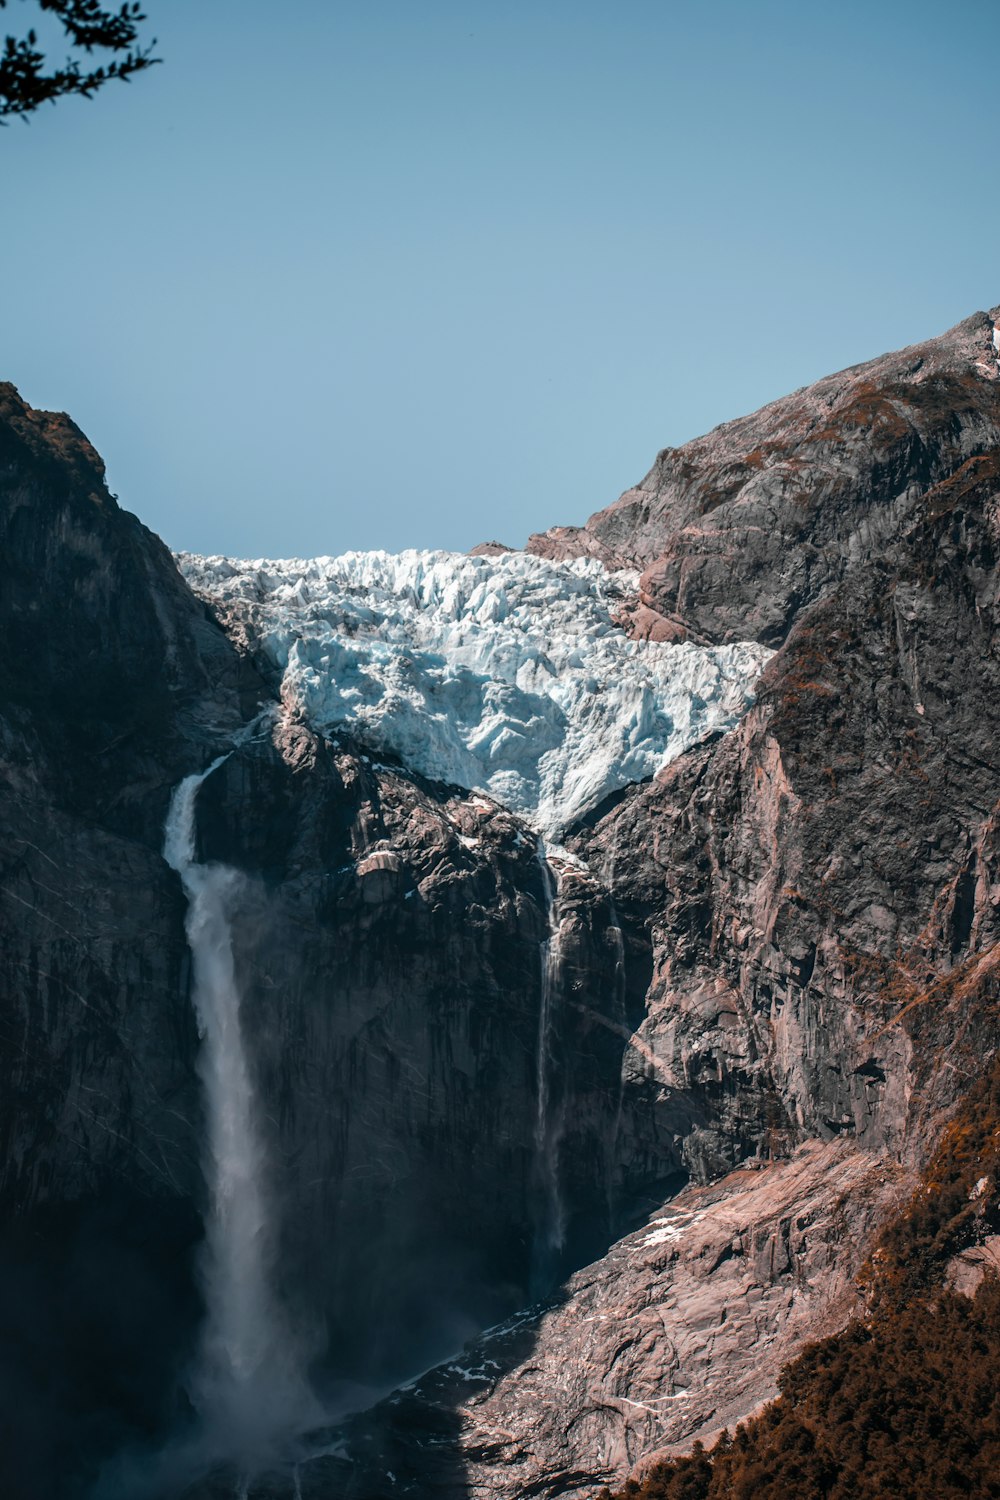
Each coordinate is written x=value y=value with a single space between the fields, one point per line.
x=247 y=1390
x=550 y=1224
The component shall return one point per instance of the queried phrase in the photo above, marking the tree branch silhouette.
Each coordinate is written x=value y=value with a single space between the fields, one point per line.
x=28 y=80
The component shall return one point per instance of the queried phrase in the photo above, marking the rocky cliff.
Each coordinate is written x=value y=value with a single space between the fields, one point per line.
x=740 y=531
x=809 y=909
x=777 y=965
x=388 y=935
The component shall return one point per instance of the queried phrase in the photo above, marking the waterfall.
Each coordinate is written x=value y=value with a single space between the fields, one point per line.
x=618 y=942
x=246 y=1385
x=550 y=1214
x=614 y=1135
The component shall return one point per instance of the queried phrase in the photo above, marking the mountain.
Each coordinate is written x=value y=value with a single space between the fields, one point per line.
x=810 y=900
x=740 y=531
x=640 y=1096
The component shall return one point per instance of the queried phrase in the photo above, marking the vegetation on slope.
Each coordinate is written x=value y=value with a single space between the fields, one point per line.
x=903 y=1402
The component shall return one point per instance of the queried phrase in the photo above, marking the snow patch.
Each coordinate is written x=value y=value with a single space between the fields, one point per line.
x=504 y=675
x=667 y=1231
x=487 y=1371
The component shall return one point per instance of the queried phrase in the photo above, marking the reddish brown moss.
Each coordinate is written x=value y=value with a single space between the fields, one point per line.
x=868 y=409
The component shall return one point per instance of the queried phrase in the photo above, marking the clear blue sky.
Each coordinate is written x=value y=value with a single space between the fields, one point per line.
x=389 y=273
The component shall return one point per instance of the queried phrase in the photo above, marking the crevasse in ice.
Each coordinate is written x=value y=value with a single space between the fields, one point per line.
x=502 y=674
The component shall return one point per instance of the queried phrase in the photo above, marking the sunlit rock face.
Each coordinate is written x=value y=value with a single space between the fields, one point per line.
x=634 y=1356
x=737 y=533
x=507 y=674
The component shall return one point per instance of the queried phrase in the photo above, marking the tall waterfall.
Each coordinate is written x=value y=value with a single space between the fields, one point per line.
x=550 y=1213
x=247 y=1388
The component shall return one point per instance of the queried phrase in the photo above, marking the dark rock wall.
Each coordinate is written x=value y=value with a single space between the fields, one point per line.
x=390 y=937
x=109 y=675
x=388 y=934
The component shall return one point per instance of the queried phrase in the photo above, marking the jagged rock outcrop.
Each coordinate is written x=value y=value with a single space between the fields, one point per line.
x=739 y=531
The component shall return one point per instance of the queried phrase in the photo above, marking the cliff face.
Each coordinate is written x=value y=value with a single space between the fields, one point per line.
x=809 y=909
x=807 y=881
x=819 y=886
x=388 y=935
x=780 y=951
x=814 y=884
x=109 y=676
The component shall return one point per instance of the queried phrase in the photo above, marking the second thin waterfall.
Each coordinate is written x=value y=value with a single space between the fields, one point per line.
x=550 y=1214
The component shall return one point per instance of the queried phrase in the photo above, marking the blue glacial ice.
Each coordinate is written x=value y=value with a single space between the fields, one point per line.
x=505 y=675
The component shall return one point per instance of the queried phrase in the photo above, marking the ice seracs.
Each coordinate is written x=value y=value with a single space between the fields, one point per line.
x=504 y=674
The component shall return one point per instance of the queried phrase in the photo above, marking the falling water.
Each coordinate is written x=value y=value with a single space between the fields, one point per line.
x=246 y=1385
x=617 y=937
x=550 y=1220
x=612 y=1152
x=618 y=943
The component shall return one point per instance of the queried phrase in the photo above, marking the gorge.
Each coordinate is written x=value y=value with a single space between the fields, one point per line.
x=467 y=1017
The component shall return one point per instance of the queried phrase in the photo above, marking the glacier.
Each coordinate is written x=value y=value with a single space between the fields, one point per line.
x=507 y=675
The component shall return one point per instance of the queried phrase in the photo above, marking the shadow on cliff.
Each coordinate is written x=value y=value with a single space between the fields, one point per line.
x=98 y=1313
x=422 y=1439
